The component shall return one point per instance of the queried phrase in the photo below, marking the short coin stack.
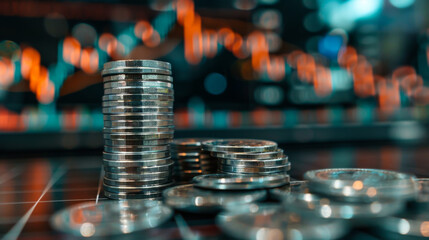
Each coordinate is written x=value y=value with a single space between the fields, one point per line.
x=138 y=128
x=248 y=156
x=190 y=160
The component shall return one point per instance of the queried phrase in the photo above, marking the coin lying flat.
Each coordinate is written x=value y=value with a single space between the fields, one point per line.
x=134 y=70
x=240 y=182
x=357 y=184
x=139 y=117
x=239 y=145
x=139 y=170
x=138 y=124
x=136 y=156
x=147 y=103
x=134 y=142
x=118 y=84
x=135 y=149
x=106 y=218
x=152 y=189
x=136 y=163
x=135 y=183
x=281 y=193
x=255 y=162
x=139 y=90
x=144 y=175
x=124 y=195
x=272 y=222
x=323 y=207
x=251 y=170
x=132 y=63
x=190 y=199
x=137 y=77
x=138 y=97
x=265 y=155
x=157 y=110
x=139 y=136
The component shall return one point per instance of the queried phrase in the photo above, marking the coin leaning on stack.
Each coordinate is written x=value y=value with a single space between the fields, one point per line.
x=190 y=160
x=138 y=128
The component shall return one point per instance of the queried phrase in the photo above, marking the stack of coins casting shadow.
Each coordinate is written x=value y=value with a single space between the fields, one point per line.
x=138 y=128
x=248 y=156
x=190 y=160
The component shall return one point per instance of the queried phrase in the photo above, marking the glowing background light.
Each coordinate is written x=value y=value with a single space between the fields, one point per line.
x=215 y=83
x=402 y=3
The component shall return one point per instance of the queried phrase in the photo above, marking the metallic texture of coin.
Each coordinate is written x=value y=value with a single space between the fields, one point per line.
x=136 y=163
x=139 y=90
x=255 y=162
x=324 y=207
x=191 y=199
x=105 y=218
x=144 y=175
x=251 y=170
x=137 y=77
x=359 y=184
x=251 y=156
x=147 y=103
x=136 y=149
x=240 y=182
x=137 y=63
x=134 y=70
x=137 y=97
x=272 y=222
x=281 y=193
x=143 y=83
x=239 y=145
x=139 y=170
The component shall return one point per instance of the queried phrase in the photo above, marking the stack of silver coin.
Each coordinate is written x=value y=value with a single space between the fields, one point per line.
x=190 y=160
x=248 y=156
x=138 y=128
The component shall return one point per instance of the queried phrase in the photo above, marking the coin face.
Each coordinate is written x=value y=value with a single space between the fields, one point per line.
x=239 y=145
x=107 y=218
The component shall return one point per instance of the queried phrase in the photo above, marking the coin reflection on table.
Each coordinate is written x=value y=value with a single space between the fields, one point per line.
x=111 y=217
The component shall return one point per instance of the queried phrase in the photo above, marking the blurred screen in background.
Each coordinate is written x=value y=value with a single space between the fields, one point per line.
x=237 y=64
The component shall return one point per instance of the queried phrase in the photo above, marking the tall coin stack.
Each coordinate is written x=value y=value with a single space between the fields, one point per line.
x=190 y=160
x=248 y=156
x=138 y=128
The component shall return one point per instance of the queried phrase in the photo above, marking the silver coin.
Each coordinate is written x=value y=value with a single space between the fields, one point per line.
x=139 y=136
x=240 y=182
x=136 y=156
x=118 y=84
x=255 y=163
x=148 y=103
x=136 y=163
x=239 y=145
x=281 y=193
x=138 y=77
x=132 y=143
x=138 y=117
x=186 y=154
x=166 y=168
x=92 y=219
x=137 y=63
x=135 y=149
x=307 y=203
x=139 y=90
x=234 y=169
x=361 y=185
x=188 y=142
x=143 y=189
x=113 y=110
x=122 y=196
x=267 y=221
x=191 y=199
x=265 y=155
x=137 y=130
x=135 y=183
x=140 y=176
x=138 y=97
x=136 y=123
x=134 y=70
